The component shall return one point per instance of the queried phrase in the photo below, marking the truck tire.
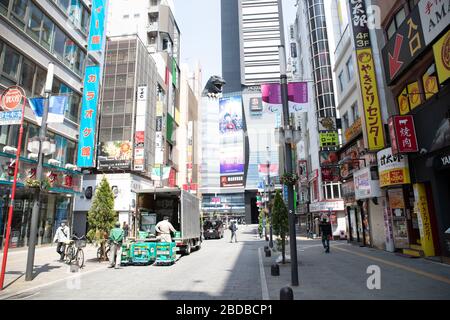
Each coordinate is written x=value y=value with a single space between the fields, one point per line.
x=188 y=248
x=199 y=244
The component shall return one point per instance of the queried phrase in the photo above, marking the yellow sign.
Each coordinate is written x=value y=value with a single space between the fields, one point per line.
x=414 y=95
x=329 y=139
x=394 y=177
x=423 y=217
x=354 y=130
x=403 y=103
x=430 y=84
x=442 y=57
x=369 y=90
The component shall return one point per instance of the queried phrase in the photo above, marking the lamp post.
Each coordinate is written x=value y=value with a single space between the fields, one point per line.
x=269 y=186
x=39 y=170
x=289 y=136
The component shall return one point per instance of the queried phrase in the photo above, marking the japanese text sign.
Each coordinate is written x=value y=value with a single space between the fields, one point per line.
x=369 y=90
x=393 y=169
x=329 y=139
x=97 y=26
x=359 y=22
x=88 y=121
x=403 y=134
x=435 y=17
x=403 y=47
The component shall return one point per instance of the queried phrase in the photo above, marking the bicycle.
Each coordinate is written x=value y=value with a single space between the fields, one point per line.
x=99 y=252
x=74 y=251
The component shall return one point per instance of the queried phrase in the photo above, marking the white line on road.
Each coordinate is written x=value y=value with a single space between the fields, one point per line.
x=264 y=289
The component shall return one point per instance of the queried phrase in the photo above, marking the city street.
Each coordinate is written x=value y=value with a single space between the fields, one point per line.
x=240 y=271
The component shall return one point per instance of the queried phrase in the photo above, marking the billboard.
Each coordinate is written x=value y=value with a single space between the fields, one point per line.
x=231 y=133
x=115 y=155
x=442 y=57
x=393 y=169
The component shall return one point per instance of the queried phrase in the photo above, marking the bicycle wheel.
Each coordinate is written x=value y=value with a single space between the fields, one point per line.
x=70 y=254
x=80 y=258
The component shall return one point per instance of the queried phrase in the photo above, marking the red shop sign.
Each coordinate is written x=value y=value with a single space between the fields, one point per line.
x=403 y=134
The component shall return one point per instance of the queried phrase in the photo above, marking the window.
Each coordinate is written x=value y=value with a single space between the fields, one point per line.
x=355 y=111
x=350 y=68
x=34 y=22
x=19 y=11
x=137 y=15
x=64 y=4
x=341 y=81
x=41 y=75
x=126 y=16
x=4 y=4
x=345 y=123
x=47 y=33
x=27 y=76
x=11 y=62
x=60 y=40
x=396 y=22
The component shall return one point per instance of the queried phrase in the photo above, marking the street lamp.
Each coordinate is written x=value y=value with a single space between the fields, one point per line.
x=288 y=140
x=44 y=145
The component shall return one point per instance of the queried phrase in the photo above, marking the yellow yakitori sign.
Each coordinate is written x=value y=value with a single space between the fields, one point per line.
x=423 y=217
x=442 y=57
x=414 y=95
x=369 y=90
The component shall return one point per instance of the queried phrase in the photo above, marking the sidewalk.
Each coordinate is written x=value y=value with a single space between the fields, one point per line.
x=47 y=269
x=344 y=274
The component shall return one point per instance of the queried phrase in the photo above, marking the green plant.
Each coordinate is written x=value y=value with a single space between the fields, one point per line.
x=101 y=216
x=280 y=221
x=33 y=183
x=289 y=179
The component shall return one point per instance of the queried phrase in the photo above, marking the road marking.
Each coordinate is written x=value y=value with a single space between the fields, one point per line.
x=264 y=289
x=400 y=266
x=7 y=296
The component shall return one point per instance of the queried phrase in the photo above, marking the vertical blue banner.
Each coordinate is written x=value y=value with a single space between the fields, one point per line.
x=97 y=26
x=88 y=118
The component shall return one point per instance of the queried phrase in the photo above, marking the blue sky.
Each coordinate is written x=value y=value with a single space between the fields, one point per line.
x=199 y=23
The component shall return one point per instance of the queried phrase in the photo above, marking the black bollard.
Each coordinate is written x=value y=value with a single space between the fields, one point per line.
x=275 y=270
x=266 y=248
x=268 y=253
x=286 y=293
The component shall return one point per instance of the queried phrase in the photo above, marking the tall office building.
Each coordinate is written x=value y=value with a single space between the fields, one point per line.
x=251 y=34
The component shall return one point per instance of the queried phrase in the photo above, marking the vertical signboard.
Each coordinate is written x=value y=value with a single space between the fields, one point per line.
x=88 y=121
x=366 y=69
x=159 y=156
x=97 y=26
x=442 y=56
x=231 y=136
x=403 y=134
x=139 y=136
x=423 y=216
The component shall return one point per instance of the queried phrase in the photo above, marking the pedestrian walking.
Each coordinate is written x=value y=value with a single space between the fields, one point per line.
x=233 y=228
x=62 y=235
x=116 y=237
x=325 y=229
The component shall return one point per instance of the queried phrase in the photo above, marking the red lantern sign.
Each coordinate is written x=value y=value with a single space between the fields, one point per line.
x=403 y=134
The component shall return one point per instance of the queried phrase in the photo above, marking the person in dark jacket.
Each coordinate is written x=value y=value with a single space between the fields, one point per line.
x=325 y=229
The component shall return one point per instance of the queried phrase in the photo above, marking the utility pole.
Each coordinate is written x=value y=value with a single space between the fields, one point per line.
x=39 y=169
x=268 y=200
x=288 y=166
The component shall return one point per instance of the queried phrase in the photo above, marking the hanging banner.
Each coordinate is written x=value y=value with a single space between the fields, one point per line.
x=88 y=121
x=369 y=88
x=298 y=97
x=97 y=27
x=139 y=136
x=56 y=108
x=403 y=134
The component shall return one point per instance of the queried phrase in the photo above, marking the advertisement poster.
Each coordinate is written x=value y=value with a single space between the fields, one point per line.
x=231 y=141
x=397 y=203
x=423 y=216
x=328 y=158
x=115 y=155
